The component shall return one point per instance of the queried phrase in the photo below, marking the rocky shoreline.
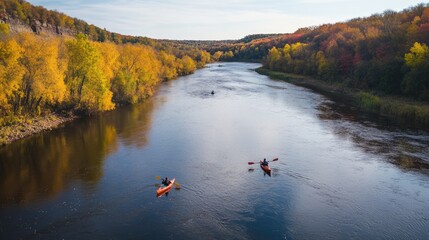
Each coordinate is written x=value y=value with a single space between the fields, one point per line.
x=31 y=126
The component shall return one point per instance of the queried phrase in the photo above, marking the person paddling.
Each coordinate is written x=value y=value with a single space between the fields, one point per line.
x=212 y=92
x=265 y=162
x=165 y=181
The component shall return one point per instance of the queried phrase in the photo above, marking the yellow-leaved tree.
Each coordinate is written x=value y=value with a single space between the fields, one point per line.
x=202 y=57
x=187 y=65
x=139 y=72
x=43 y=81
x=217 y=55
x=109 y=63
x=11 y=73
x=273 y=58
x=416 y=81
x=87 y=83
x=169 y=65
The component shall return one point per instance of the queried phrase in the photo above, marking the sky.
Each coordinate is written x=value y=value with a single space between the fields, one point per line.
x=216 y=19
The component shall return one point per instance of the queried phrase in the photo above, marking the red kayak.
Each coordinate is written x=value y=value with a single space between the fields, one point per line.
x=162 y=190
x=266 y=169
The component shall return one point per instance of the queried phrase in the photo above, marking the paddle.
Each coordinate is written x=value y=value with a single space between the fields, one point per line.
x=275 y=159
x=175 y=183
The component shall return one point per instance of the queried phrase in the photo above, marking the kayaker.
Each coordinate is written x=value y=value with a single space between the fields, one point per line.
x=265 y=163
x=165 y=181
x=212 y=92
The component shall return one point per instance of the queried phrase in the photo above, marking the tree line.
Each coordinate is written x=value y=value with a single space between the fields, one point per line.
x=385 y=53
x=45 y=73
x=58 y=22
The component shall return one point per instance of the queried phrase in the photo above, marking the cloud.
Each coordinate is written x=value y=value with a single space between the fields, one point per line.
x=162 y=20
x=209 y=19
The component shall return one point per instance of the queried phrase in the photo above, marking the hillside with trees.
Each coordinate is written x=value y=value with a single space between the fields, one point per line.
x=22 y=15
x=85 y=71
x=385 y=53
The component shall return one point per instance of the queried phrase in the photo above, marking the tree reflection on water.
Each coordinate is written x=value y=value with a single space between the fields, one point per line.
x=44 y=165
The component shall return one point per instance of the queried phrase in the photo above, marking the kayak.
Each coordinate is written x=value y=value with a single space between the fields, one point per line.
x=266 y=169
x=162 y=190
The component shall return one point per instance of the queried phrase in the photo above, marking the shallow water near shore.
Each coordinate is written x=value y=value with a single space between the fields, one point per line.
x=341 y=174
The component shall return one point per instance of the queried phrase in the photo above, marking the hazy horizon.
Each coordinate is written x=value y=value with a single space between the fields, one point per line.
x=220 y=20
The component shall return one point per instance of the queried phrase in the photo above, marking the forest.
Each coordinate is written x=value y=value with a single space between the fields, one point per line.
x=385 y=53
x=42 y=73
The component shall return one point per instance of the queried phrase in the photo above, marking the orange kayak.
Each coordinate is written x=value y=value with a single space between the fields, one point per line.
x=266 y=169
x=162 y=190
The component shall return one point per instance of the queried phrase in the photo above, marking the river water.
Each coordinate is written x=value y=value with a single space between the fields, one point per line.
x=341 y=174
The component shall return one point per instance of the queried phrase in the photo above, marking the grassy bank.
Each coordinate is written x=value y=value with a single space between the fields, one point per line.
x=16 y=128
x=397 y=109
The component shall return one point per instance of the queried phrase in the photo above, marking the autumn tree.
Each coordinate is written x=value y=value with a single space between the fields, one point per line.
x=187 y=65
x=226 y=56
x=109 y=62
x=416 y=82
x=11 y=73
x=202 y=58
x=273 y=58
x=43 y=81
x=169 y=65
x=321 y=63
x=88 y=84
x=217 y=55
x=139 y=72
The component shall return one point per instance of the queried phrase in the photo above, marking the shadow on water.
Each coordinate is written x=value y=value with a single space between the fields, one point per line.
x=406 y=148
x=42 y=166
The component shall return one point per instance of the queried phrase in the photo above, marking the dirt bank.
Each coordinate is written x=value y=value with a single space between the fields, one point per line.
x=30 y=126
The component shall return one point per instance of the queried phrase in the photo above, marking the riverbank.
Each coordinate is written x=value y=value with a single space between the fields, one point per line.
x=404 y=111
x=27 y=126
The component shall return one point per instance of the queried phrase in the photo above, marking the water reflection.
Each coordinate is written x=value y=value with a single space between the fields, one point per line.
x=273 y=172
x=133 y=123
x=408 y=151
x=44 y=165
x=325 y=184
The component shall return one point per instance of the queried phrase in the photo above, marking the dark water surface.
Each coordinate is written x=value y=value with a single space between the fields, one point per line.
x=341 y=174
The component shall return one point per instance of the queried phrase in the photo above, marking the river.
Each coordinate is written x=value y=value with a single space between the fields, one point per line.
x=341 y=174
